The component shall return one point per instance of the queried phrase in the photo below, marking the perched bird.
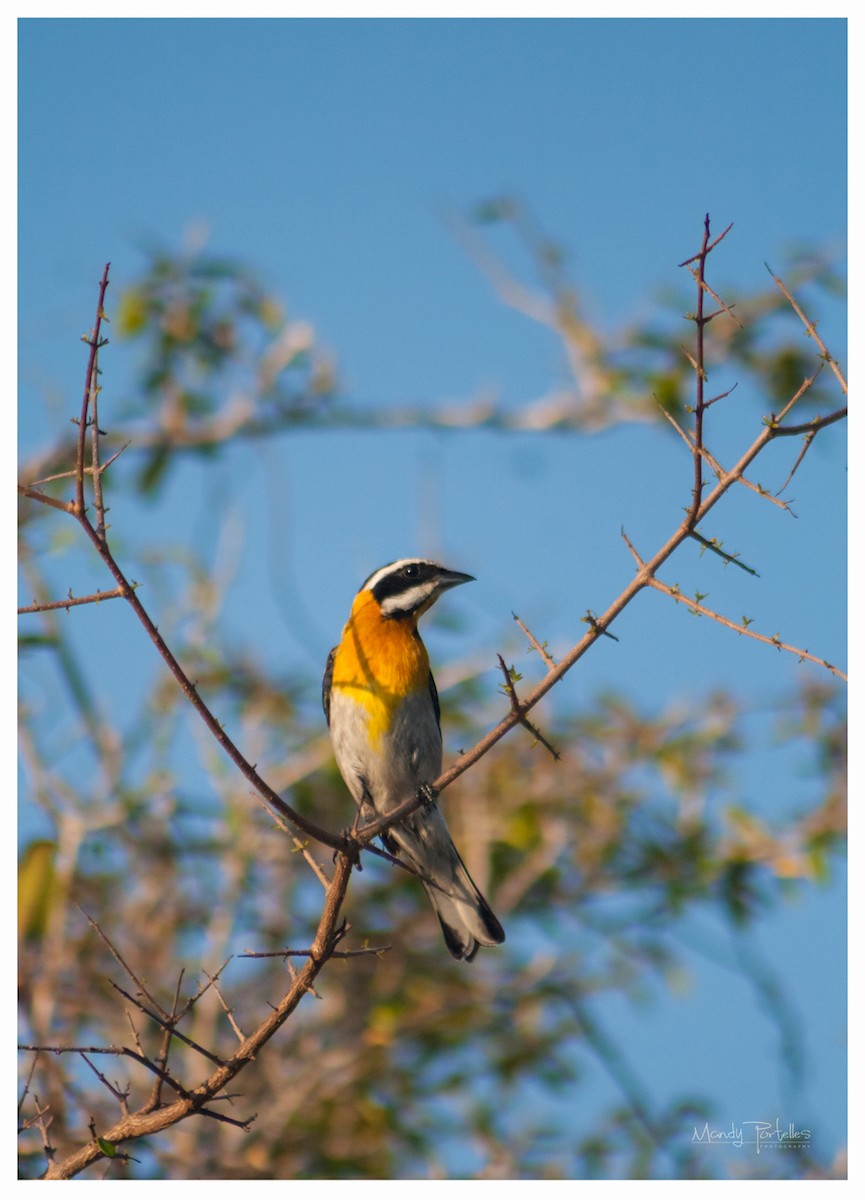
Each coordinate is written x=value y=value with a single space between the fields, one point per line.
x=382 y=709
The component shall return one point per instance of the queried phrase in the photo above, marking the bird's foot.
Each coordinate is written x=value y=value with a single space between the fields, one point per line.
x=350 y=846
x=428 y=795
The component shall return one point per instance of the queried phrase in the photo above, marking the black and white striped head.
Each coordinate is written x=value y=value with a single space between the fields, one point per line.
x=408 y=587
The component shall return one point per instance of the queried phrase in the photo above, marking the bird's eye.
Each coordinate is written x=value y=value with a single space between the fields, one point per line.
x=411 y=571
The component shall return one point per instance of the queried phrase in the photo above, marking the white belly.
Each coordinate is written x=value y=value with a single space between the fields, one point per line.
x=405 y=755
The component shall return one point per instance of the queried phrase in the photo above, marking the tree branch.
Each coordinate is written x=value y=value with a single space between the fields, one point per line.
x=743 y=629
x=144 y=1123
x=71 y=601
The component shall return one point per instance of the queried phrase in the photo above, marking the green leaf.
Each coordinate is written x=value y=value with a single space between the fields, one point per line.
x=37 y=889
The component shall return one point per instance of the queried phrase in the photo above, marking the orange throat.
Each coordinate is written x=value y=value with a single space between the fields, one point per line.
x=379 y=662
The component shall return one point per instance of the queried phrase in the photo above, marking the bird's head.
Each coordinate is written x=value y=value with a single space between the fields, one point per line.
x=410 y=586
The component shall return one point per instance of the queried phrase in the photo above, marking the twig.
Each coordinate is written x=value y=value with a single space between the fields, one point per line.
x=120 y=1096
x=516 y=706
x=300 y=846
x=810 y=427
x=161 y=1060
x=87 y=470
x=33 y=493
x=716 y=466
x=95 y=434
x=704 y=250
x=27 y=1083
x=640 y=562
x=377 y=950
x=700 y=373
x=812 y=331
x=813 y=429
x=29 y=1122
x=592 y=620
x=228 y=1011
x=43 y=1126
x=721 y=395
x=715 y=546
x=205 y=987
x=535 y=644
x=123 y=963
x=89 y=384
x=190 y=691
x=117 y=1051
x=775 y=641
x=71 y=601
x=809 y=438
x=167 y=1023
x=723 y=309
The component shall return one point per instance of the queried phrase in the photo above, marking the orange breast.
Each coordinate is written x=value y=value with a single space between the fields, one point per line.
x=379 y=662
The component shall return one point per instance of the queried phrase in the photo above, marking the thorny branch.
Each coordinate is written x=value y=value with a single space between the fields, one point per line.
x=716 y=466
x=741 y=628
x=599 y=626
x=71 y=601
x=197 y=1099
x=156 y=1115
x=534 y=643
x=812 y=331
x=510 y=678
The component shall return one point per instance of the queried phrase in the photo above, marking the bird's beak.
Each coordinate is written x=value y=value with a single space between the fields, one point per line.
x=448 y=579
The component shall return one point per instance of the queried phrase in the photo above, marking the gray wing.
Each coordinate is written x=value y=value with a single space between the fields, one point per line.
x=326 y=683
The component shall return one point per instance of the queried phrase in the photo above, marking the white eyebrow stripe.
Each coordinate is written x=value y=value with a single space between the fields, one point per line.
x=387 y=570
x=408 y=600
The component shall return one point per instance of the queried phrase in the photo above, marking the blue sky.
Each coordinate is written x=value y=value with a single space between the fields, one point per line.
x=328 y=155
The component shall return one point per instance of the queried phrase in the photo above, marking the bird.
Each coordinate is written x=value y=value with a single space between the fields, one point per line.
x=382 y=710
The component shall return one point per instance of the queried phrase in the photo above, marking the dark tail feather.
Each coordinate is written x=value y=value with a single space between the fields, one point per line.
x=466 y=919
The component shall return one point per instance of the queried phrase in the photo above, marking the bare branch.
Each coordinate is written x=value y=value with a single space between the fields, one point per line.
x=716 y=466
x=143 y=1123
x=89 y=384
x=812 y=331
x=535 y=644
x=120 y=1096
x=87 y=470
x=168 y=1023
x=27 y=1083
x=300 y=846
x=809 y=428
x=122 y=961
x=700 y=373
x=510 y=682
x=743 y=628
x=228 y=1011
x=95 y=434
x=715 y=546
x=33 y=493
x=376 y=950
x=71 y=601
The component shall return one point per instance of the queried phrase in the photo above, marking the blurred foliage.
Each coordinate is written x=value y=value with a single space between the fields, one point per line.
x=407 y=1063
x=219 y=361
x=218 y=357
x=37 y=891
x=627 y=374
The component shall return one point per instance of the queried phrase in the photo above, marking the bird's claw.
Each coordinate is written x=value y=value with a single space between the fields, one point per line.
x=349 y=837
x=428 y=795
